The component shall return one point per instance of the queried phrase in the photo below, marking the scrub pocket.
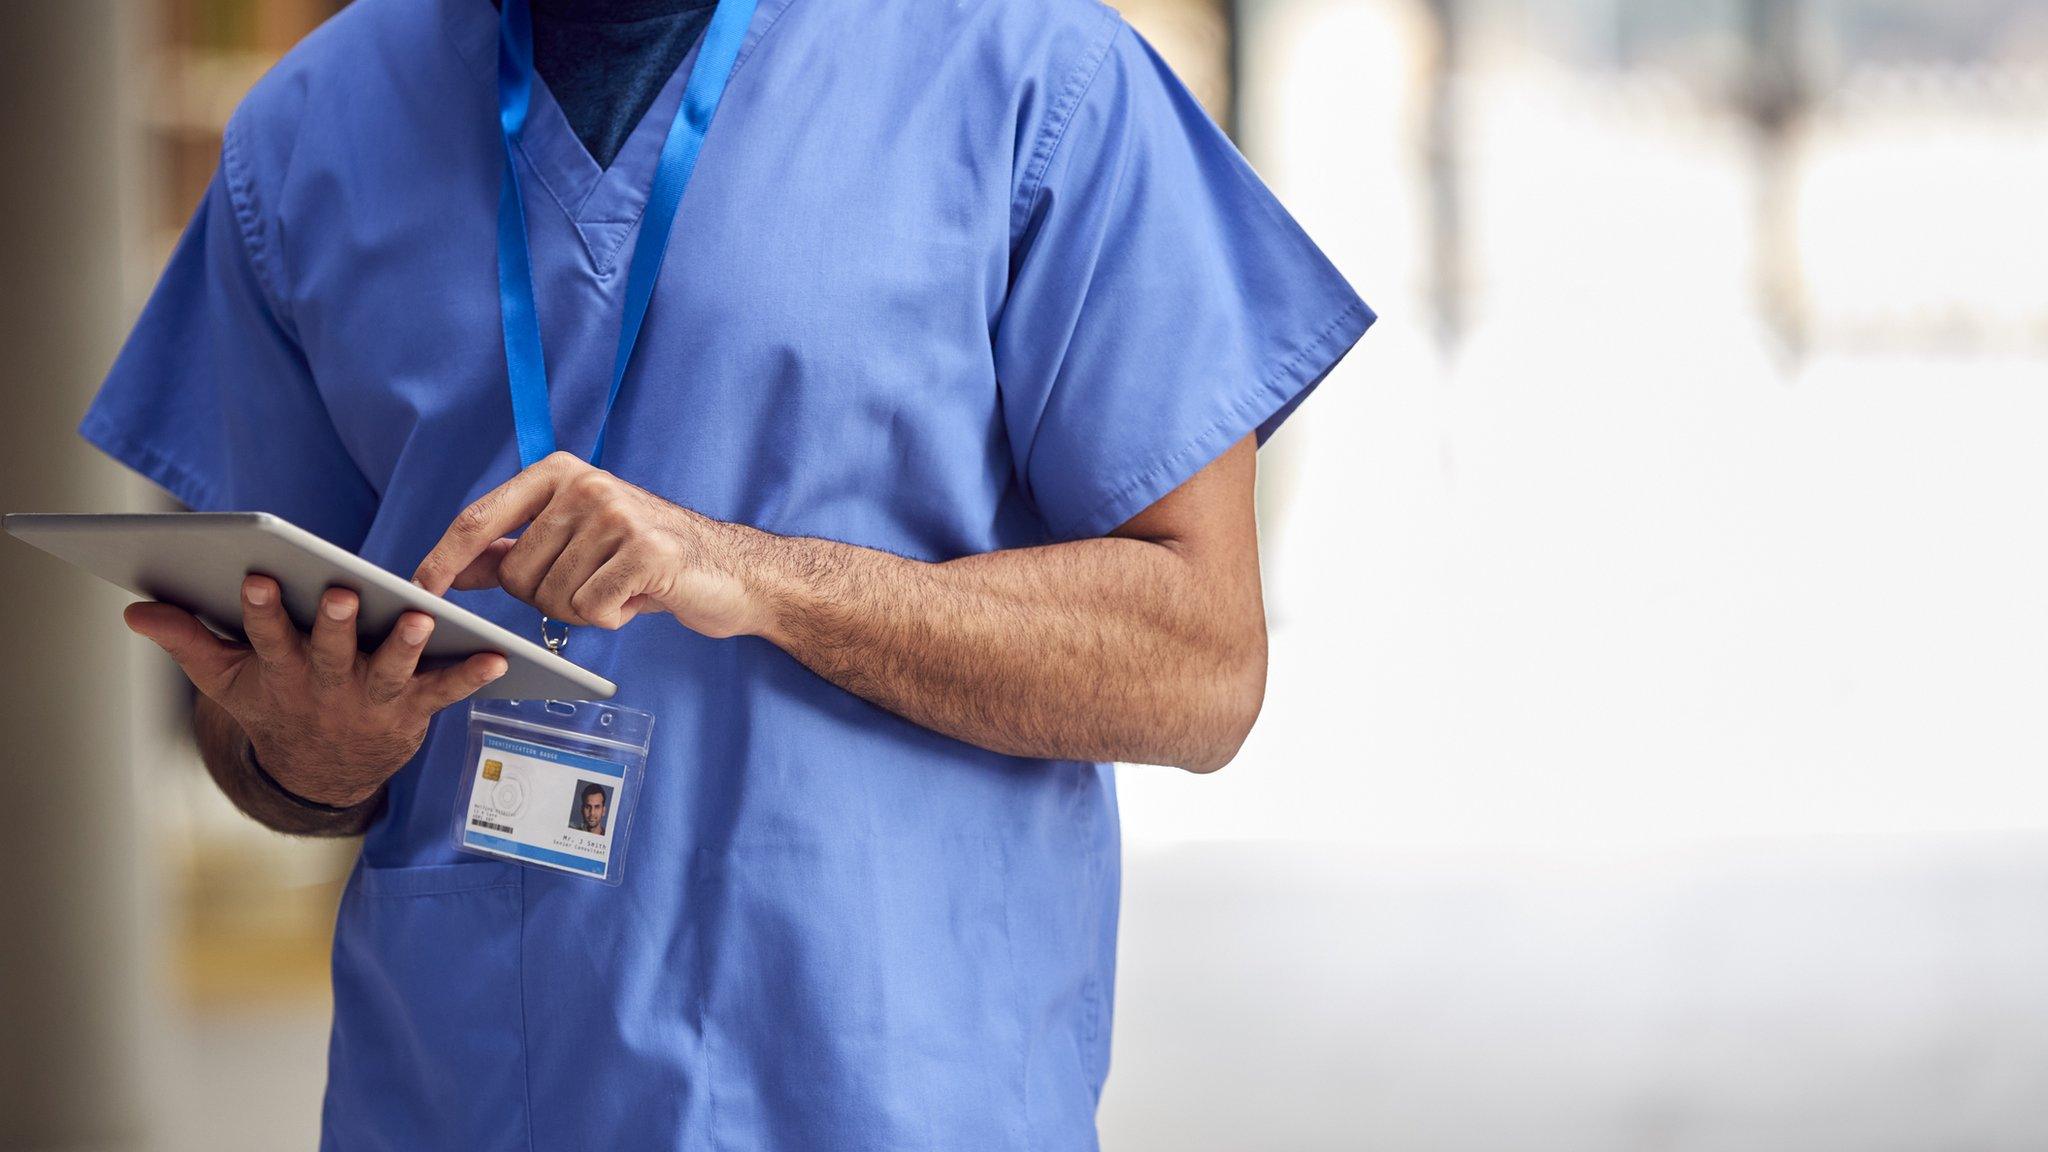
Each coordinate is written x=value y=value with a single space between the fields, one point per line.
x=429 y=1046
x=862 y=995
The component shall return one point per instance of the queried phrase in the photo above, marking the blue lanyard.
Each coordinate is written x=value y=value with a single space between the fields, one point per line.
x=525 y=368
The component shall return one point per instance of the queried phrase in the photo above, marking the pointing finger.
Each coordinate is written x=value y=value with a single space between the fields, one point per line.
x=496 y=514
x=209 y=661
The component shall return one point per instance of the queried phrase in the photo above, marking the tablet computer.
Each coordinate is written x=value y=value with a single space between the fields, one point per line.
x=197 y=560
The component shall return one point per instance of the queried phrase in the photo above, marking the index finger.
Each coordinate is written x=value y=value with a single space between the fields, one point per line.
x=496 y=513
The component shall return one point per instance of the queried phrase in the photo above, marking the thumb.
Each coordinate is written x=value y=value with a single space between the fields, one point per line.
x=482 y=572
x=207 y=659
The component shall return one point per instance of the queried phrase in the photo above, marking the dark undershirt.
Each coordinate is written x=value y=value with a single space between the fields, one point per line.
x=606 y=60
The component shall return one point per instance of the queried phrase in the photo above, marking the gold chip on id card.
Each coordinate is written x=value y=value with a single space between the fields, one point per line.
x=492 y=768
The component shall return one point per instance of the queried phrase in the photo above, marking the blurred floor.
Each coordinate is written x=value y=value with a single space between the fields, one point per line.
x=242 y=1081
x=1860 y=995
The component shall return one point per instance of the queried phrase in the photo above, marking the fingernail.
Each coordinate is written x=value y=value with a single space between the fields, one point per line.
x=415 y=631
x=258 y=594
x=339 y=608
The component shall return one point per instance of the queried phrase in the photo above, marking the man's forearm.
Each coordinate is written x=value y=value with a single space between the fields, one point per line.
x=1148 y=644
x=1106 y=649
x=225 y=749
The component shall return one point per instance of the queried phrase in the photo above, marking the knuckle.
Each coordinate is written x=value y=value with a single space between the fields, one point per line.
x=598 y=589
x=523 y=585
x=331 y=656
x=516 y=573
x=616 y=514
x=586 y=600
x=552 y=603
x=470 y=521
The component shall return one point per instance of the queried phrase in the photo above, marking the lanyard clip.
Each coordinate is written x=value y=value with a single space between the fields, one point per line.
x=555 y=640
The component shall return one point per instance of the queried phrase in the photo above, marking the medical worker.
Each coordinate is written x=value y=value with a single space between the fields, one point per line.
x=870 y=388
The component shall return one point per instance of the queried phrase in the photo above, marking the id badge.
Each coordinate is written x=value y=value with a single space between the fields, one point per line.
x=552 y=784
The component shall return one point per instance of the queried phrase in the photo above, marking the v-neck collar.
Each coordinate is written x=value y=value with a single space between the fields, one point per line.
x=603 y=203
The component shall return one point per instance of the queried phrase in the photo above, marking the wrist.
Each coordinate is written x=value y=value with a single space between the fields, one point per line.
x=315 y=791
x=740 y=598
x=288 y=795
x=768 y=582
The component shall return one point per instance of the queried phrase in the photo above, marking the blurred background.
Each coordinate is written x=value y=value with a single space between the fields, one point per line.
x=1652 y=754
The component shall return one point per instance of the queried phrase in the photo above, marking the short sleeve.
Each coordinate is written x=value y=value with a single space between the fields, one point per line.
x=212 y=399
x=1162 y=304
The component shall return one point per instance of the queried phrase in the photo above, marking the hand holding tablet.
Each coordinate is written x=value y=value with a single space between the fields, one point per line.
x=330 y=709
x=197 y=561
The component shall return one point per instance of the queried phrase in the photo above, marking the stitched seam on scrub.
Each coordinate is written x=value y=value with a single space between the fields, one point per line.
x=171 y=475
x=248 y=224
x=1023 y=1133
x=1058 y=117
x=1271 y=388
x=462 y=891
x=747 y=48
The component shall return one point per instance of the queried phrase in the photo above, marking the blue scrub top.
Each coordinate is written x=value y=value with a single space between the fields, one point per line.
x=950 y=278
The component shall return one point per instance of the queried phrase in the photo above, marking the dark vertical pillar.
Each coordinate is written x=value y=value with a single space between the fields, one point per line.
x=1775 y=91
x=71 y=1006
x=1441 y=169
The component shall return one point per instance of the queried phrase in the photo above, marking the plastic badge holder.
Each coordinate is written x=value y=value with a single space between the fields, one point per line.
x=553 y=784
